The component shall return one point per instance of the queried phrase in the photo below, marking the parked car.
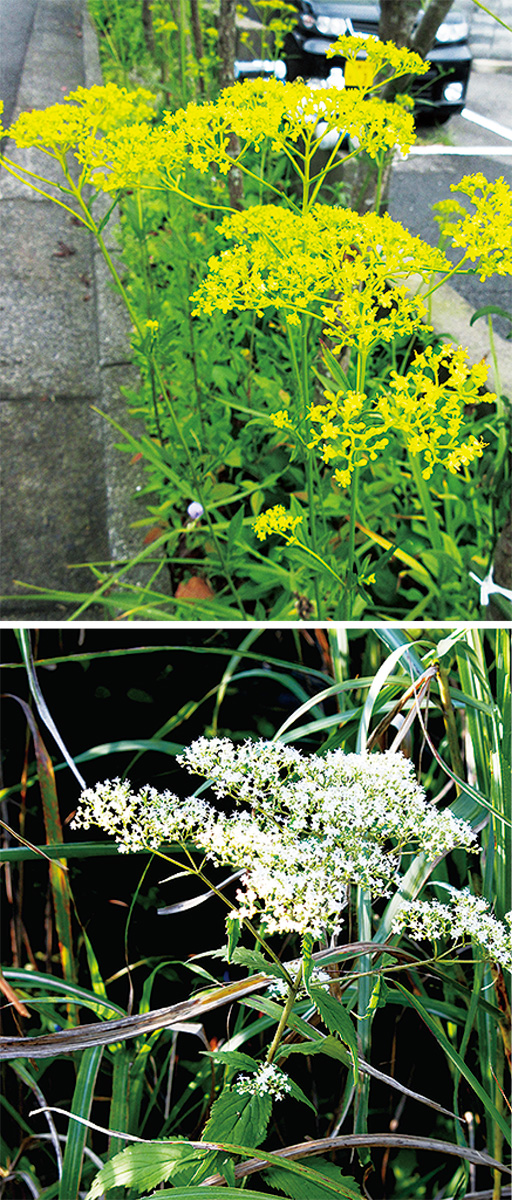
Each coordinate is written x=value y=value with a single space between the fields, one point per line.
x=437 y=95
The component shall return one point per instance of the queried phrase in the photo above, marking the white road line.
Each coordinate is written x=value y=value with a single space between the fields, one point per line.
x=477 y=151
x=493 y=126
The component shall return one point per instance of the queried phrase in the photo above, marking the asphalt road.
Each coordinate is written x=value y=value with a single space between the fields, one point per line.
x=423 y=179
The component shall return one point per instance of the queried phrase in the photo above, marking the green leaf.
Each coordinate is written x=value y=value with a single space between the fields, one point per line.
x=233 y=1058
x=234 y=929
x=455 y=1058
x=223 y=1193
x=77 y=1133
x=335 y=1016
x=297 y=1094
x=238 y=1118
x=257 y=962
x=143 y=1166
x=326 y=1045
x=234 y=529
x=305 y=1189
x=307 y=957
x=59 y=883
x=234 y=1117
x=490 y=310
x=23 y=637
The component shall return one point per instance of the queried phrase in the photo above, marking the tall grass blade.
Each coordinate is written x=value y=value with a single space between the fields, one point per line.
x=457 y=1061
x=23 y=637
x=77 y=1133
x=60 y=888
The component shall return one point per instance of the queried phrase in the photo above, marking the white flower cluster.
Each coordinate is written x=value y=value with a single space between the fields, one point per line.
x=311 y=826
x=269 y=1080
x=466 y=916
x=140 y=820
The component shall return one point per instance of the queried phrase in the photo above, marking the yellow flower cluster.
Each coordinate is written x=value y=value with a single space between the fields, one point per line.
x=281 y=419
x=486 y=233
x=284 y=113
x=425 y=408
x=378 y=55
x=276 y=520
x=347 y=432
x=76 y=122
x=200 y=135
x=255 y=111
x=333 y=264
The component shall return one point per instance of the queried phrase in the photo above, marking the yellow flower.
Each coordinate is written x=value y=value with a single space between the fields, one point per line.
x=424 y=409
x=276 y=520
x=281 y=419
x=85 y=112
x=348 y=433
x=255 y=111
x=342 y=477
x=331 y=263
x=485 y=234
x=380 y=56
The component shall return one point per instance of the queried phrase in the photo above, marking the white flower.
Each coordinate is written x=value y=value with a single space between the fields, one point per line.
x=195 y=510
x=269 y=1080
x=465 y=916
x=304 y=830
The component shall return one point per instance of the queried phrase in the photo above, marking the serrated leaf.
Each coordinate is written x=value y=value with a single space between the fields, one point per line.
x=326 y=1045
x=142 y=1167
x=337 y=1020
x=234 y=1118
x=234 y=1058
x=256 y=961
x=297 y=1094
x=305 y=1189
x=234 y=928
x=307 y=957
x=238 y=1118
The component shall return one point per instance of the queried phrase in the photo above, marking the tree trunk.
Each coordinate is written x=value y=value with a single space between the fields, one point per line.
x=432 y=18
x=227 y=42
x=197 y=37
x=397 y=18
x=147 y=25
x=227 y=51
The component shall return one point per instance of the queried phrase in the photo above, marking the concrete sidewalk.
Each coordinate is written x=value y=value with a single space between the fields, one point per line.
x=68 y=495
x=67 y=492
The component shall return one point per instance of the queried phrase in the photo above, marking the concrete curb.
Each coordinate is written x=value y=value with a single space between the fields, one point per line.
x=115 y=371
x=451 y=316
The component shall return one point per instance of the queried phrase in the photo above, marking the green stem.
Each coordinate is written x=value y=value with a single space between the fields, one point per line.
x=292 y=993
x=362 y=359
x=183 y=53
x=380 y=174
x=426 y=501
x=194 y=477
x=197 y=871
x=310 y=466
x=330 y=165
x=432 y=520
x=351 y=544
x=500 y=409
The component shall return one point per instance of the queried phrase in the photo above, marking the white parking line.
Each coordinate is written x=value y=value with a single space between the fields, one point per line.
x=493 y=126
x=476 y=151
